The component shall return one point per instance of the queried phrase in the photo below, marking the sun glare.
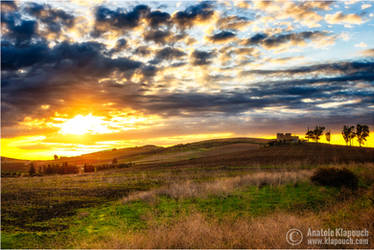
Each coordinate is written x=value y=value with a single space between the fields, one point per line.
x=80 y=125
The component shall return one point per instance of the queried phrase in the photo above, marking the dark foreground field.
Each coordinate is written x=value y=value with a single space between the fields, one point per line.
x=233 y=193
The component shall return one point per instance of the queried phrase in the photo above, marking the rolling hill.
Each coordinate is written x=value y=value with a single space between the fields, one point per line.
x=233 y=152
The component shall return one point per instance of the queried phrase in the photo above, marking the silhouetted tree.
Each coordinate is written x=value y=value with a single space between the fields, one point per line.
x=32 y=170
x=56 y=157
x=114 y=161
x=309 y=134
x=348 y=134
x=317 y=132
x=362 y=131
x=328 y=136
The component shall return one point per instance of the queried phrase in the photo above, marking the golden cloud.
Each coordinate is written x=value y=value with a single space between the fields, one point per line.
x=340 y=18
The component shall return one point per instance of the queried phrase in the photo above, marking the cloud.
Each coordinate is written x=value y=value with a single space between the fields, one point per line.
x=233 y=23
x=359 y=68
x=143 y=51
x=256 y=39
x=19 y=31
x=194 y=14
x=304 y=13
x=157 y=18
x=368 y=52
x=201 y=57
x=222 y=36
x=120 y=45
x=340 y=18
x=361 y=45
x=54 y=74
x=7 y=6
x=284 y=40
x=14 y=58
x=120 y=20
x=365 y=6
x=158 y=36
x=145 y=60
x=169 y=53
x=54 y=19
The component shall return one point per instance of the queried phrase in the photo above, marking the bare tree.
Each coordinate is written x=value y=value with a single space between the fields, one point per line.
x=328 y=136
x=32 y=169
x=348 y=134
x=309 y=134
x=317 y=132
x=362 y=131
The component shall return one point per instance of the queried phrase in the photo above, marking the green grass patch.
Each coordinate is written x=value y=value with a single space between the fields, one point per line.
x=255 y=201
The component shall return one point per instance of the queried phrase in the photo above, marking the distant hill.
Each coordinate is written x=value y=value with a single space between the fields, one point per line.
x=11 y=160
x=235 y=152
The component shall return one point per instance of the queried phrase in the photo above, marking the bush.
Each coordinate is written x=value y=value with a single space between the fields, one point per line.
x=89 y=168
x=335 y=177
x=56 y=169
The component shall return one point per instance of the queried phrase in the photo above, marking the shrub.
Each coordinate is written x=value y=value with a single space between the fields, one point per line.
x=56 y=169
x=89 y=168
x=335 y=177
x=32 y=170
x=125 y=165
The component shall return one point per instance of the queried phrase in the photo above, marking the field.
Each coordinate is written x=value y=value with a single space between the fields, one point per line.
x=231 y=193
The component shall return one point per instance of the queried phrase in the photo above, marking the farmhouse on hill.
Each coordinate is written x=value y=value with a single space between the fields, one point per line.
x=287 y=137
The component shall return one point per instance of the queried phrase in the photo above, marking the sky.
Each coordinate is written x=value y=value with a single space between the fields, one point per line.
x=81 y=76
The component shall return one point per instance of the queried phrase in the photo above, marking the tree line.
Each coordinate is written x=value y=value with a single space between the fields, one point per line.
x=348 y=133
x=65 y=168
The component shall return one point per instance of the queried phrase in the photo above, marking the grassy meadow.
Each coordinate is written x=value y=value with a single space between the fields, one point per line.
x=216 y=194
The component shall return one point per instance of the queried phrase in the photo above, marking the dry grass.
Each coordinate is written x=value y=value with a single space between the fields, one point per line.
x=190 y=189
x=196 y=231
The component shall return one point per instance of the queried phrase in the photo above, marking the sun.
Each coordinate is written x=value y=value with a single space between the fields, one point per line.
x=80 y=125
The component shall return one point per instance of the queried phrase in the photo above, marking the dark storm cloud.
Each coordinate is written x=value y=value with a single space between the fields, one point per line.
x=275 y=95
x=14 y=58
x=195 y=13
x=201 y=57
x=20 y=31
x=51 y=74
x=55 y=19
x=222 y=36
x=34 y=73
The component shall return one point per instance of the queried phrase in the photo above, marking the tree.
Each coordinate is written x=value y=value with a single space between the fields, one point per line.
x=309 y=134
x=328 y=136
x=56 y=157
x=32 y=170
x=114 y=161
x=317 y=132
x=348 y=134
x=362 y=131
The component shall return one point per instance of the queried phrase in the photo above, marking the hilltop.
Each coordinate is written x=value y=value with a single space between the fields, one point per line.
x=235 y=152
